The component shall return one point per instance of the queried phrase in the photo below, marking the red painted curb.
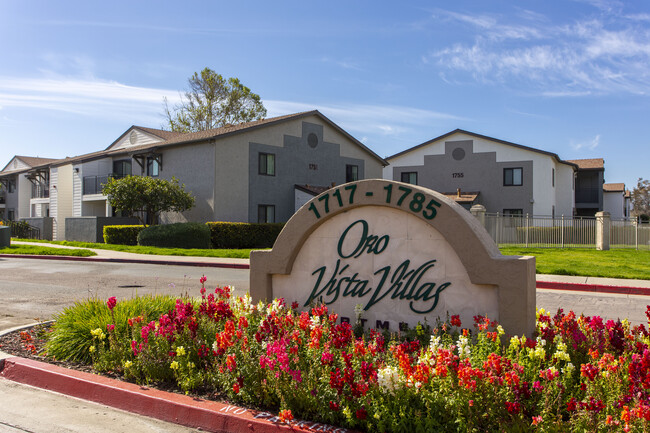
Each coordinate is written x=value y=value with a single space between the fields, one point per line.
x=623 y=290
x=146 y=262
x=176 y=408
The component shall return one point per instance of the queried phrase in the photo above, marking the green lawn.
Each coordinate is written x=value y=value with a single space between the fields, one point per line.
x=37 y=250
x=619 y=263
x=234 y=253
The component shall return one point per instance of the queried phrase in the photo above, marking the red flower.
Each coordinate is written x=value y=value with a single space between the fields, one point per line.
x=361 y=413
x=203 y=279
x=112 y=301
x=235 y=387
x=455 y=321
x=334 y=406
x=285 y=416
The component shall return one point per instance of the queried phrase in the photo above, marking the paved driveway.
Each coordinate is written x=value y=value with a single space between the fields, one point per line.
x=35 y=289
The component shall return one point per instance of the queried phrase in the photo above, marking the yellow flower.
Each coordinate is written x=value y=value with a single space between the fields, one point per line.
x=91 y=349
x=174 y=365
x=180 y=351
x=127 y=364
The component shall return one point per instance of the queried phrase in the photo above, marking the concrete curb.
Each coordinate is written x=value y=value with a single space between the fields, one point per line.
x=176 y=408
x=147 y=262
x=596 y=288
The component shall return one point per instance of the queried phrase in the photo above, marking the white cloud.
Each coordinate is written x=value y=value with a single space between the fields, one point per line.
x=87 y=97
x=586 y=145
x=590 y=56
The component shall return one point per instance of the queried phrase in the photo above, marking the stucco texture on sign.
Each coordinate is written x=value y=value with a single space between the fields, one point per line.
x=425 y=226
x=408 y=239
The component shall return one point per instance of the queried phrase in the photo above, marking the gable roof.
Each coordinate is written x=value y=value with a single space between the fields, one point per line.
x=170 y=138
x=31 y=161
x=589 y=164
x=485 y=137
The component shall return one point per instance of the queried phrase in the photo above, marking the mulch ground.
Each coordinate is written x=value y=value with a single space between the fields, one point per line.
x=30 y=343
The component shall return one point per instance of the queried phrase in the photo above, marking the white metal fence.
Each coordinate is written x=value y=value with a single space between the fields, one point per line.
x=564 y=232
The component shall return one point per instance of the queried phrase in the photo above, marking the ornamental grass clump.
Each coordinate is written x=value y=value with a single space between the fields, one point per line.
x=575 y=374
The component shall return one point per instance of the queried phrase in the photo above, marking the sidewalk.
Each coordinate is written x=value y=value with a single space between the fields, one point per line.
x=124 y=257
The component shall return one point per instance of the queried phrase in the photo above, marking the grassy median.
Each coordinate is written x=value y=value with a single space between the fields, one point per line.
x=37 y=250
x=137 y=249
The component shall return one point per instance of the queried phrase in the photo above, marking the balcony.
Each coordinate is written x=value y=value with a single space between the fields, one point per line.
x=94 y=184
x=40 y=191
x=588 y=195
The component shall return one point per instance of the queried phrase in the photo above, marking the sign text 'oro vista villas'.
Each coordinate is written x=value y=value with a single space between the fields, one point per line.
x=400 y=254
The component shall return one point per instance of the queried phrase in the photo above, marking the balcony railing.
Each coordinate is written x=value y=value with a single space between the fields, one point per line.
x=40 y=192
x=94 y=184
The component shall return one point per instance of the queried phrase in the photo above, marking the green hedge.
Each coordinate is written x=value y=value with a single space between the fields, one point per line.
x=178 y=235
x=243 y=235
x=122 y=235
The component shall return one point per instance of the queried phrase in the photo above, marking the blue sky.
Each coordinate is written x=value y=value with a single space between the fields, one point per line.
x=570 y=77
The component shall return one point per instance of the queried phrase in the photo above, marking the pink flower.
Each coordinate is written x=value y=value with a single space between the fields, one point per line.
x=203 y=279
x=110 y=327
x=112 y=301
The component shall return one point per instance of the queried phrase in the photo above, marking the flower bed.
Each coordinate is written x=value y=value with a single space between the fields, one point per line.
x=578 y=374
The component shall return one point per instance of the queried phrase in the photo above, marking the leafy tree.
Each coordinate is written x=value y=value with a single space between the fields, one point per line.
x=212 y=102
x=641 y=198
x=137 y=195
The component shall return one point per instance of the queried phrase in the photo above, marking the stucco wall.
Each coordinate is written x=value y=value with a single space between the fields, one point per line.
x=193 y=166
x=613 y=202
x=482 y=170
x=296 y=162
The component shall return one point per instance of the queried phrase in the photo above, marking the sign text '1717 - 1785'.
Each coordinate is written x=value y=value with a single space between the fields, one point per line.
x=403 y=196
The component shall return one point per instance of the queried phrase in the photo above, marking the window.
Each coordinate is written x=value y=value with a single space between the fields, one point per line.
x=11 y=187
x=512 y=176
x=513 y=212
x=351 y=173
x=122 y=168
x=266 y=213
x=410 y=177
x=267 y=164
x=11 y=214
x=553 y=177
x=153 y=168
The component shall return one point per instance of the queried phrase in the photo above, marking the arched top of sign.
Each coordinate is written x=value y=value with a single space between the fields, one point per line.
x=461 y=229
x=473 y=245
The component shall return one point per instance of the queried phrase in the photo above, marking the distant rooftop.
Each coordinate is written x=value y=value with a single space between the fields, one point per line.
x=614 y=187
x=594 y=163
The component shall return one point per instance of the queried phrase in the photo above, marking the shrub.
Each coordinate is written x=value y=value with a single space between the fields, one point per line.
x=179 y=235
x=69 y=337
x=122 y=235
x=243 y=235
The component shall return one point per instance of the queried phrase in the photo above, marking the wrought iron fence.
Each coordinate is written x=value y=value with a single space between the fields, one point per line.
x=563 y=232
x=21 y=229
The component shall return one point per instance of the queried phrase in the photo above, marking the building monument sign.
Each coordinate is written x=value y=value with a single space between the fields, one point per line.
x=400 y=254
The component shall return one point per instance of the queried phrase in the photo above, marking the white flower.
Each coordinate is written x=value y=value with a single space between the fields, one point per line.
x=388 y=378
x=463 y=347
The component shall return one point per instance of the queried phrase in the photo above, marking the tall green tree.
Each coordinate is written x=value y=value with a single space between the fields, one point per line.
x=641 y=198
x=212 y=101
x=146 y=197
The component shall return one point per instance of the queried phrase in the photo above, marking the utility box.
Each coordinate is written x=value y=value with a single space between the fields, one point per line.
x=5 y=236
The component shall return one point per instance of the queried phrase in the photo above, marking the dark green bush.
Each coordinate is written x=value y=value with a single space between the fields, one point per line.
x=178 y=235
x=122 y=235
x=243 y=235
